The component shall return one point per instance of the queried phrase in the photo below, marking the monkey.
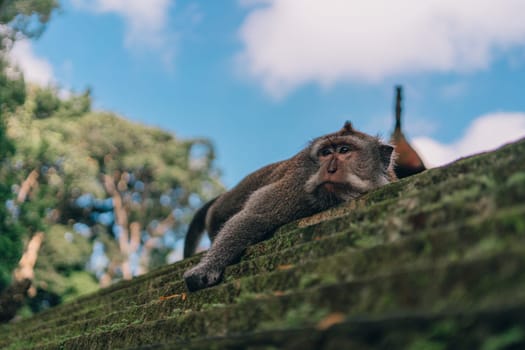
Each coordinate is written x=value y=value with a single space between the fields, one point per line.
x=332 y=169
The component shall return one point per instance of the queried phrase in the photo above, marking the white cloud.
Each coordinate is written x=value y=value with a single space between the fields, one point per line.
x=288 y=43
x=145 y=20
x=36 y=69
x=485 y=133
x=454 y=90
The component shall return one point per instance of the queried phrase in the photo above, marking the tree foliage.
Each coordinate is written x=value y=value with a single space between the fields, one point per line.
x=26 y=18
x=124 y=189
x=111 y=198
x=18 y=18
x=10 y=231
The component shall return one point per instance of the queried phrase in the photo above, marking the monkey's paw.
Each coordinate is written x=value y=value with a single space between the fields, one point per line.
x=202 y=276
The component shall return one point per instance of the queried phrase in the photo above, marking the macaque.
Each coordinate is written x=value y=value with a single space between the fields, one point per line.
x=333 y=169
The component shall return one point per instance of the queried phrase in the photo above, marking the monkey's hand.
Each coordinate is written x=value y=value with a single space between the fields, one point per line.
x=202 y=276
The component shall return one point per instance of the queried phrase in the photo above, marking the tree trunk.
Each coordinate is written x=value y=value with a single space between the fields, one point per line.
x=121 y=218
x=13 y=297
x=26 y=186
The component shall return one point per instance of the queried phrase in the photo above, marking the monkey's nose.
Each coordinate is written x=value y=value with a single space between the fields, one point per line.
x=332 y=166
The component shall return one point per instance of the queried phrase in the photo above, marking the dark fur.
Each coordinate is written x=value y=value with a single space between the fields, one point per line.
x=282 y=192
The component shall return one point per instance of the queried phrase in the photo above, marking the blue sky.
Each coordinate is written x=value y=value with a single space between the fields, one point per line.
x=262 y=77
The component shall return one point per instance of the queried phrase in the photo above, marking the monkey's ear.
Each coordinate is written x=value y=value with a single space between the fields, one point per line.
x=385 y=152
x=347 y=128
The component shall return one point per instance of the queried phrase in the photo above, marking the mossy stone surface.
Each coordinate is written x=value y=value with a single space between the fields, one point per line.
x=434 y=261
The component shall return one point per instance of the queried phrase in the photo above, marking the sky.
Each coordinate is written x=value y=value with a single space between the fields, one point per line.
x=260 y=78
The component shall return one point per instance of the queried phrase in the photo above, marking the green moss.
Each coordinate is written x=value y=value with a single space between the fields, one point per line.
x=427 y=344
x=303 y=314
x=315 y=279
x=505 y=340
x=444 y=329
x=430 y=262
x=366 y=241
x=213 y=306
x=486 y=246
x=19 y=345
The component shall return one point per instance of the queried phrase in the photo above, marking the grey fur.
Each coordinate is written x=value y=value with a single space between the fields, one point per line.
x=285 y=191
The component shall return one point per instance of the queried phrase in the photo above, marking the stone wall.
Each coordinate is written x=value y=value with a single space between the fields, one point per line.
x=434 y=261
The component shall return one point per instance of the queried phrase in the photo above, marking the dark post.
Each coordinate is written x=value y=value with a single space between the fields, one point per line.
x=399 y=99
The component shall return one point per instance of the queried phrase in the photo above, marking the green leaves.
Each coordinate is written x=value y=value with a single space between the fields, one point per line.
x=111 y=196
x=86 y=163
x=26 y=17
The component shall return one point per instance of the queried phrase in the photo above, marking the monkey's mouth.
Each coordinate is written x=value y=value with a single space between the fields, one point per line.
x=334 y=187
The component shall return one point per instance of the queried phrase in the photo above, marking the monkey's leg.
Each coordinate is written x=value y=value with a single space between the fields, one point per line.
x=263 y=213
x=238 y=233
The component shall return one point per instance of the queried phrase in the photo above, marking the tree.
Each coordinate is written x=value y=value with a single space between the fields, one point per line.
x=26 y=18
x=126 y=190
x=10 y=231
x=18 y=19
x=85 y=188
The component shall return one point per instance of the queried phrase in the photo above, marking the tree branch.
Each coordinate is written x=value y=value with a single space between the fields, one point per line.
x=27 y=185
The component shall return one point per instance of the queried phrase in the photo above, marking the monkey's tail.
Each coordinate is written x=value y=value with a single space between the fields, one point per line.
x=196 y=229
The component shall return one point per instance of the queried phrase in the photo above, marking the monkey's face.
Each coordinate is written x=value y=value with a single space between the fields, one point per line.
x=349 y=164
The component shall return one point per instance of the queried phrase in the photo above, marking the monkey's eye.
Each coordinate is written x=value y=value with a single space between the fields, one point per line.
x=325 y=152
x=344 y=149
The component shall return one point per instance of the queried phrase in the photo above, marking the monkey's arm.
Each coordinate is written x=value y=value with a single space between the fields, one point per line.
x=263 y=213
